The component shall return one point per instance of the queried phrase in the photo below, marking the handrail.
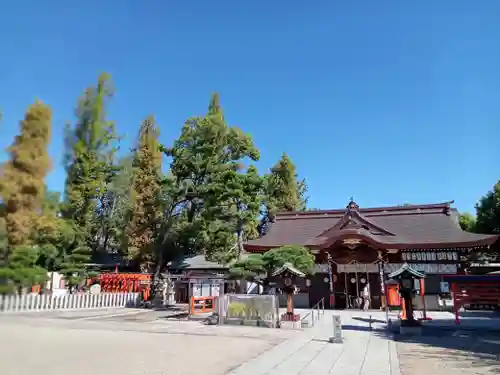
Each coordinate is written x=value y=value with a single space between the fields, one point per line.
x=318 y=307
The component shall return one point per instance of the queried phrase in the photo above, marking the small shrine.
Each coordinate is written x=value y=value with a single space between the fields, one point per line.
x=406 y=277
x=287 y=278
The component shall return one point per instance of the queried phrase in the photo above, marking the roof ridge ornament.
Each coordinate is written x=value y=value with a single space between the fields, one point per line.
x=352 y=206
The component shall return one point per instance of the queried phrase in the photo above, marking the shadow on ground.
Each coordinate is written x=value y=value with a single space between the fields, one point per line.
x=459 y=350
x=367 y=320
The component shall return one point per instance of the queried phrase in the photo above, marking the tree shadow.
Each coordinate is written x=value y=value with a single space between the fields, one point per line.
x=350 y=327
x=367 y=320
x=450 y=348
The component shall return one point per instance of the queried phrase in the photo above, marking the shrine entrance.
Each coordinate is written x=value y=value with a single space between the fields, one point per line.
x=353 y=282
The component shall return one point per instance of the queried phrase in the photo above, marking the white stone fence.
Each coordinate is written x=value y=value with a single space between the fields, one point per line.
x=77 y=301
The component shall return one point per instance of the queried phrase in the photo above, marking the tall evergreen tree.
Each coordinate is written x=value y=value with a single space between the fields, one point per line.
x=233 y=210
x=114 y=211
x=284 y=191
x=22 y=178
x=89 y=164
x=205 y=152
x=146 y=187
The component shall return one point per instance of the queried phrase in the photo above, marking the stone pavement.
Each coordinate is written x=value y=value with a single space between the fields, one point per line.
x=363 y=352
x=139 y=342
x=127 y=342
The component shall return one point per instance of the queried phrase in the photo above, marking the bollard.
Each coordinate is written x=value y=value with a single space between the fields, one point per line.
x=337 y=331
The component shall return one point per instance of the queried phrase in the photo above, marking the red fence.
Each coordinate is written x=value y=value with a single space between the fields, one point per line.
x=473 y=289
x=125 y=283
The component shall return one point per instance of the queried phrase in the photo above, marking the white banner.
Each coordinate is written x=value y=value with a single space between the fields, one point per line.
x=357 y=267
x=431 y=268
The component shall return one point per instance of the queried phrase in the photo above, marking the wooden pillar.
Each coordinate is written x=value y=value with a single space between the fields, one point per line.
x=289 y=303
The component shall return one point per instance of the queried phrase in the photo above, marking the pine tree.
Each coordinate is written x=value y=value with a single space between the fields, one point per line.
x=235 y=206
x=89 y=165
x=146 y=186
x=22 y=181
x=206 y=153
x=115 y=209
x=22 y=270
x=284 y=191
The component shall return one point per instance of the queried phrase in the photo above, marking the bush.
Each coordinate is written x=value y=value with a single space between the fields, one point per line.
x=236 y=310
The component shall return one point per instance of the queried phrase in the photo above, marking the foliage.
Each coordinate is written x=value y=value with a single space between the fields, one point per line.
x=21 y=270
x=22 y=179
x=146 y=188
x=115 y=210
x=467 y=222
x=235 y=205
x=249 y=268
x=75 y=256
x=207 y=155
x=236 y=309
x=90 y=156
x=298 y=256
x=89 y=159
x=488 y=212
x=210 y=201
x=284 y=192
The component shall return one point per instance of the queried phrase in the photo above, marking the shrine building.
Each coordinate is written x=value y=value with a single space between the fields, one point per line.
x=358 y=247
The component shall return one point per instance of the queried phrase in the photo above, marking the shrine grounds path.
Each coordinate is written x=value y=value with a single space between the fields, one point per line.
x=142 y=342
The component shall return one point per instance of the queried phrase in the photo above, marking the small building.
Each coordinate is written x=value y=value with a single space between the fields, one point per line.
x=196 y=276
x=359 y=247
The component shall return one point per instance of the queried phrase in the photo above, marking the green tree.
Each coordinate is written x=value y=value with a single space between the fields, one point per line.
x=207 y=151
x=467 y=222
x=91 y=146
x=115 y=209
x=22 y=181
x=488 y=212
x=298 y=256
x=146 y=188
x=255 y=264
x=249 y=268
x=90 y=155
x=284 y=191
x=233 y=209
x=21 y=270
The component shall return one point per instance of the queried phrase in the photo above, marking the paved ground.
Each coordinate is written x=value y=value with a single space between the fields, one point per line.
x=125 y=342
x=132 y=341
x=363 y=352
x=447 y=356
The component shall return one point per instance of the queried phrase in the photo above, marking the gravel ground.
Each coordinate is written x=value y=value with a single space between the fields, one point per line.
x=39 y=347
x=450 y=355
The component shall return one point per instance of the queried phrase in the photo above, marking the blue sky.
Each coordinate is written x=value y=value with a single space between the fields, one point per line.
x=387 y=101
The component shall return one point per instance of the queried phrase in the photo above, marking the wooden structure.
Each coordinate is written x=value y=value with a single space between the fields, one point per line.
x=201 y=305
x=116 y=282
x=356 y=248
x=196 y=276
x=287 y=279
x=473 y=289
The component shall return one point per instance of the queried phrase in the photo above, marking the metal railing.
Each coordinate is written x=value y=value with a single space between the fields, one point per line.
x=316 y=311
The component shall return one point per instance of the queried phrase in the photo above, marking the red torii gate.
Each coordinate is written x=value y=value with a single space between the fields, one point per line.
x=473 y=289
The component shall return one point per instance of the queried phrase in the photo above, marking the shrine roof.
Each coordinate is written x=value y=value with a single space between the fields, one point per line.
x=408 y=226
x=198 y=262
